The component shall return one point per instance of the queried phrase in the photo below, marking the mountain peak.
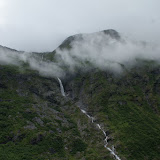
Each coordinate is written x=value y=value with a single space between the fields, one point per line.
x=67 y=42
x=112 y=33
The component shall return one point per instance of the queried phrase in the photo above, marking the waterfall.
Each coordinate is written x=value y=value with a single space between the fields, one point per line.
x=112 y=151
x=61 y=87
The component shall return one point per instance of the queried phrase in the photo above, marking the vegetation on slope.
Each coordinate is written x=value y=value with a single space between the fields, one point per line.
x=38 y=123
x=127 y=106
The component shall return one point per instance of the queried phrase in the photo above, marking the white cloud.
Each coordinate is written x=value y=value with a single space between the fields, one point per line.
x=106 y=52
x=100 y=50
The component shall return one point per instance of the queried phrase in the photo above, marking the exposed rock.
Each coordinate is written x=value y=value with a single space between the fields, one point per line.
x=37 y=139
x=30 y=126
x=59 y=130
x=39 y=121
x=108 y=133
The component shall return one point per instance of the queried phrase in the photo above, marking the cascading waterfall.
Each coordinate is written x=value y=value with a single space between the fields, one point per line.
x=112 y=151
x=61 y=87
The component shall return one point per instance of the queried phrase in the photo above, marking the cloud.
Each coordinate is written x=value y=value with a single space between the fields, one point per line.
x=48 y=69
x=104 y=50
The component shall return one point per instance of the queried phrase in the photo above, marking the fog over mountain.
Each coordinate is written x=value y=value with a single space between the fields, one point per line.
x=107 y=50
x=79 y=80
x=104 y=50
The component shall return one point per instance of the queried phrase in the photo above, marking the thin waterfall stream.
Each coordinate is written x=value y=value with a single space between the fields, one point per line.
x=112 y=150
x=61 y=87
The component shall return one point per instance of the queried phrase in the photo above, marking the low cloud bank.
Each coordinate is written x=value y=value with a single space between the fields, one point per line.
x=35 y=62
x=101 y=50
x=106 y=52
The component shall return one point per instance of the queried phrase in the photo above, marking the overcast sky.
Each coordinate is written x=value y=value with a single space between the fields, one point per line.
x=41 y=25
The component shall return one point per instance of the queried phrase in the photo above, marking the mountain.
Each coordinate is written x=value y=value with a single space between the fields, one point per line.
x=6 y=49
x=108 y=33
x=38 y=122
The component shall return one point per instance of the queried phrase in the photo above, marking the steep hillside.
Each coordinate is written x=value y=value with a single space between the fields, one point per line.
x=128 y=107
x=38 y=123
x=110 y=107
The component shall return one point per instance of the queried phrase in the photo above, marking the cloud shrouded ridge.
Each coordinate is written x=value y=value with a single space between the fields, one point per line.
x=104 y=50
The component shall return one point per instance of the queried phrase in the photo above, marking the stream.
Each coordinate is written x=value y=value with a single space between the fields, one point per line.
x=111 y=150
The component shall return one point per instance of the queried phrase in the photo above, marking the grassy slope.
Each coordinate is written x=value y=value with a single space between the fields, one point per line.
x=127 y=106
x=37 y=123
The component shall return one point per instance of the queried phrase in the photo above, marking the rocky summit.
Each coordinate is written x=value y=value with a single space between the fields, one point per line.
x=88 y=113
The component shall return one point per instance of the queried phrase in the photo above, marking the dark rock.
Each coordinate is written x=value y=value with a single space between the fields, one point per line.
x=7 y=139
x=39 y=121
x=52 y=100
x=113 y=33
x=59 y=130
x=108 y=133
x=34 y=90
x=109 y=139
x=19 y=137
x=30 y=126
x=3 y=86
x=37 y=139
x=52 y=150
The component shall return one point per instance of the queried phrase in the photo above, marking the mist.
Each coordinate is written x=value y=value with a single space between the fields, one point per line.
x=107 y=52
x=96 y=50
x=47 y=69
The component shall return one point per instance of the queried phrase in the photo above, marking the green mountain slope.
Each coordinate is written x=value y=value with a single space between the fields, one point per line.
x=128 y=106
x=37 y=122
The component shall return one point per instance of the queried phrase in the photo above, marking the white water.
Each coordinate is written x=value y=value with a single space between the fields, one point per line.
x=112 y=151
x=61 y=87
